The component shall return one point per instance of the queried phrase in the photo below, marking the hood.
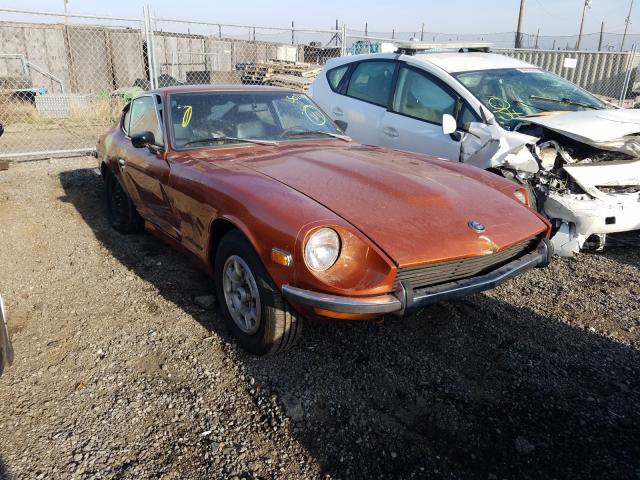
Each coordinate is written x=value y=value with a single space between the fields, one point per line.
x=616 y=129
x=411 y=206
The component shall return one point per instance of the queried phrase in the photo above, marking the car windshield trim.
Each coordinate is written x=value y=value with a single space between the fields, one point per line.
x=345 y=138
x=233 y=139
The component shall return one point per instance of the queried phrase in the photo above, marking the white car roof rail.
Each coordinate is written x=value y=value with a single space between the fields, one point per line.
x=411 y=48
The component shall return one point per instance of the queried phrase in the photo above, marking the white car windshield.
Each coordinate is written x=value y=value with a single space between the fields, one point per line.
x=220 y=118
x=511 y=93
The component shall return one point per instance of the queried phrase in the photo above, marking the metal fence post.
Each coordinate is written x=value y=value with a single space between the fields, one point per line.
x=148 y=33
x=343 y=47
x=628 y=75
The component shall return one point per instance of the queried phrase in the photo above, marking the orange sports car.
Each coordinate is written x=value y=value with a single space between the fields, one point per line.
x=294 y=220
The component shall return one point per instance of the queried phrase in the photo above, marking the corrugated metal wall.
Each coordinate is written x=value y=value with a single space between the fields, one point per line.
x=602 y=73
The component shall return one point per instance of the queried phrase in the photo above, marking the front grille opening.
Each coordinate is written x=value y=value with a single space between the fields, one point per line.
x=445 y=272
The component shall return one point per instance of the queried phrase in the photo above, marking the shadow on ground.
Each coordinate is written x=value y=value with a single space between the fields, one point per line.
x=4 y=474
x=474 y=389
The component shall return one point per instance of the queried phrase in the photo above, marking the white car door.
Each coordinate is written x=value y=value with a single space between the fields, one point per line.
x=365 y=100
x=414 y=121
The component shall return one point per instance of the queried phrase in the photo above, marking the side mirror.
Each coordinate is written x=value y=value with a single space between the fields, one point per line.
x=449 y=124
x=142 y=139
x=342 y=125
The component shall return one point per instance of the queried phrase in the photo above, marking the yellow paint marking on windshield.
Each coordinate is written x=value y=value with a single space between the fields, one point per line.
x=502 y=108
x=295 y=98
x=186 y=116
x=314 y=115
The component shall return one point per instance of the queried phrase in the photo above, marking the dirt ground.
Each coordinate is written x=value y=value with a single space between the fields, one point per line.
x=120 y=374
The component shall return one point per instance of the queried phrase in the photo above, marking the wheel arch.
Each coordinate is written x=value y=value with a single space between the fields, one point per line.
x=219 y=227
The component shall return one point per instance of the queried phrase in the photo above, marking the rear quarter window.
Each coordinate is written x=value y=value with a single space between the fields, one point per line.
x=335 y=75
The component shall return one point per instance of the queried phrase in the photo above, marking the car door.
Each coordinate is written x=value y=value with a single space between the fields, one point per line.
x=145 y=171
x=414 y=120
x=364 y=99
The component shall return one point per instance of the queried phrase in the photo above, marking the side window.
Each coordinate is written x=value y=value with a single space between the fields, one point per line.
x=419 y=96
x=467 y=117
x=371 y=82
x=144 y=117
x=335 y=75
x=125 y=119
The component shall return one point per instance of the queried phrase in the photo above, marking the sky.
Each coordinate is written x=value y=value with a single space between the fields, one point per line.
x=552 y=17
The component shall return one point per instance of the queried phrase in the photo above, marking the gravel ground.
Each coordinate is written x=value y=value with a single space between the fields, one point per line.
x=120 y=373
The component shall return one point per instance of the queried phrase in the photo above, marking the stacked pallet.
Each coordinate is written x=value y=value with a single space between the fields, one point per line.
x=283 y=74
x=291 y=81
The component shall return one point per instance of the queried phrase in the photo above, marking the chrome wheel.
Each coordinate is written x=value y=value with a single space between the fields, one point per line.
x=241 y=294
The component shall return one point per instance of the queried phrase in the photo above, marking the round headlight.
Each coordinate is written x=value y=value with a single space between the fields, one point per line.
x=322 y=249
x=521 y=196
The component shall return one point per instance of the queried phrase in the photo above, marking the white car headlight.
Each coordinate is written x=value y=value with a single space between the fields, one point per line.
x=521 y=196
x=322 y=249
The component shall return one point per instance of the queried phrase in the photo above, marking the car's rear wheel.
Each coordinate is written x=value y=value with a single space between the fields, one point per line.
x=121 y=211
x=252 y=305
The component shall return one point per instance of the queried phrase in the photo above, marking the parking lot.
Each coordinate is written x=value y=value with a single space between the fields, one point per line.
x=120 y=374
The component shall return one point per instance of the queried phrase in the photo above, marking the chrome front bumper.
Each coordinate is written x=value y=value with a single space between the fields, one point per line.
x=405 y=298
x=6 y=351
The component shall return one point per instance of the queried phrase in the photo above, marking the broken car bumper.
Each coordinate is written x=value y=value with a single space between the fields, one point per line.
x=406 y=298
x=594 y=215
x=584 y=216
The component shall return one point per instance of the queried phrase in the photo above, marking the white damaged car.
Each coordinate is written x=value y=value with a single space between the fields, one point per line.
x=578 y=155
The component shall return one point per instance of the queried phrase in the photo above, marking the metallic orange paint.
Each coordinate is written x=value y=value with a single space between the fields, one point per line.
x=391 y=209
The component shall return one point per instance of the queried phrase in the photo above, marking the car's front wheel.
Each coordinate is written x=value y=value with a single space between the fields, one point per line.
x=121 y=211
x=252 y=305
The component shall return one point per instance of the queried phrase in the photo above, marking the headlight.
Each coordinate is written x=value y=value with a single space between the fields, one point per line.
x=520 y=195
x=322 y=249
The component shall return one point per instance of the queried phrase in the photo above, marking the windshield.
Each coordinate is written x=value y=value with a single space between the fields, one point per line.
x=222 y=118
x=511 y=93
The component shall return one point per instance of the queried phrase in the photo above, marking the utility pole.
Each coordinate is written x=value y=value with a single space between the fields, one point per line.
x=422 y=33
x=366 y=29
x=587 y=4
x=626 y=26
x=519 y=32
x=601 y=35
x=537 y=38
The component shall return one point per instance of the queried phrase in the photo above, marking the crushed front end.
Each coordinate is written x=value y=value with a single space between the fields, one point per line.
x=588 y=186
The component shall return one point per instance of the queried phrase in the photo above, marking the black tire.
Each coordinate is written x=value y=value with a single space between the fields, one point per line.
x=121 y=211
x=279 y=326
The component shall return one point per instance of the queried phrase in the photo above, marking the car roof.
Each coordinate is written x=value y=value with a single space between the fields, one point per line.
x=453 y=62
x=222 y=88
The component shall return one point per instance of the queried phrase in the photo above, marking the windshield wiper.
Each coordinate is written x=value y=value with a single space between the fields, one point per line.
x=520 y=102
x=235 y=139
x=317 y=132
x=565 y=101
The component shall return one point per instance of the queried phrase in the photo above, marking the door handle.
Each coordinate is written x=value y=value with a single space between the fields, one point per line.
x=390 y=132
x=122 y=162
x=338 y=112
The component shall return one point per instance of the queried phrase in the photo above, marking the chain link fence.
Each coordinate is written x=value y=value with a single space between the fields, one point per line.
x=60 y=78
x=65 y=77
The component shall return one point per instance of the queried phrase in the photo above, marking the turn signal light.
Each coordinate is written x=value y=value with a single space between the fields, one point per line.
x=281 y=257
